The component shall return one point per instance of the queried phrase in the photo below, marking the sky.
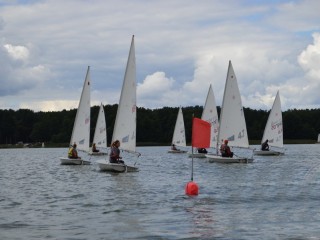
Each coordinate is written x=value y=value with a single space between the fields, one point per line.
x=182 y=46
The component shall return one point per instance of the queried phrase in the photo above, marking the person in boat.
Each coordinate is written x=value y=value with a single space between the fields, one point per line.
x=202 y=150
x=73 y=153
x=94 y=148
x=115 y=153
x=265 y=146
x=173 y=147
x=225 y=149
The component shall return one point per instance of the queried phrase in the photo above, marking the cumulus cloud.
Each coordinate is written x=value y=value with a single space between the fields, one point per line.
x=49 y=105
x=310 y=85
x=309 y=59
x=17 y=73
x=17 y=52
x=157 y=82
x=155 y=89
x=45 y=46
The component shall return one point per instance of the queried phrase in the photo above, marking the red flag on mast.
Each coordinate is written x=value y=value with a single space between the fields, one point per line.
x=201 y=133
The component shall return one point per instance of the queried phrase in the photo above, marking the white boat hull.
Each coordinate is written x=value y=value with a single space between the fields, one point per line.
x=197 y=155
x=97 y=153
x=115 y=167
x=177 y=151
x=267 y=153
x=220 y=159
x=69 y=161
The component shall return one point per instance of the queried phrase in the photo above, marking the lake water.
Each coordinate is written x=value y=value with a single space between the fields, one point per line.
x=272 y=198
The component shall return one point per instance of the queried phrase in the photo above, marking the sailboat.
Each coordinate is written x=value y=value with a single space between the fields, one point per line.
x=273 y=131
x=318 y=141
x=232 y=121
x=125 y=123
x=210 y=115
x=179 y=136
x=100 y=134
x=81 y=128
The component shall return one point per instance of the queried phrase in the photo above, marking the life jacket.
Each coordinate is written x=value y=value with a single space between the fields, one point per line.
x=114 y=154
x=264 y=146
x=223 y=149
x=70 y=152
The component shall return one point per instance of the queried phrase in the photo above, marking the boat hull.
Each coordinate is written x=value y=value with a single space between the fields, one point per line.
x=97 y=153
x=69 y=161
x=267 y=153
x=115 y=167
x=177 y=151
x=220 y=159
x=197 y=155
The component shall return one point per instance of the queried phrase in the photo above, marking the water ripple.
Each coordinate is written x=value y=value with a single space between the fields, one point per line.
x=273 y=198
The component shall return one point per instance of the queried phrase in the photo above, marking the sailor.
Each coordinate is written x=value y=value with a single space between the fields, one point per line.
x=265 y=146
x=225 y=150
x=173 y=147
x=73 y=153
x=202 y=150
x=115 y=153
x=94 y=149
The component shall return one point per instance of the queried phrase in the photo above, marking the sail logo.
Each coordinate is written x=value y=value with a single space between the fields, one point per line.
x=81 y=142
x=133 y=136
x=241 y=134
x=102 y=130
x=125 y=139
x=231 y=138
x=275 y=125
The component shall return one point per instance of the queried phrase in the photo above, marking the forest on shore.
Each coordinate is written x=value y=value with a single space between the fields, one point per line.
x=154 y=126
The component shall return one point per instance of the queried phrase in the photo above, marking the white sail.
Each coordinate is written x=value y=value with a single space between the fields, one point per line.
x=125 y=123
x=273 y=130
x=100 y=133
x=232 y=120
x=81 y=128
x=179 y=136
x=210 y=115
x=318 y=138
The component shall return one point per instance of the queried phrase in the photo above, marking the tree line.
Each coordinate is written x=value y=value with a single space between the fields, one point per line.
x=154 y=126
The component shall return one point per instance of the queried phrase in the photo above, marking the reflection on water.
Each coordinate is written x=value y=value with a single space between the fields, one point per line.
x=272 y=198
x=202 y=216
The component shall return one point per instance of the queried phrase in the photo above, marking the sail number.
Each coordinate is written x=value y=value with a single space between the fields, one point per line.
x=241 y=134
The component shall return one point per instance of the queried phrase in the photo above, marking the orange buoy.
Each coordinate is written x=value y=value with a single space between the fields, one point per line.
x=192 y=189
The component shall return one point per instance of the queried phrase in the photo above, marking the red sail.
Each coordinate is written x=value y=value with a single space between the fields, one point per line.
x=201 y=131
